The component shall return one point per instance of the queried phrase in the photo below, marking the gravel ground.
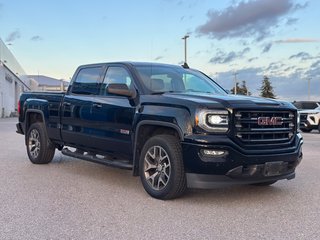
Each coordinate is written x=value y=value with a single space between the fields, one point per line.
x=74 y=199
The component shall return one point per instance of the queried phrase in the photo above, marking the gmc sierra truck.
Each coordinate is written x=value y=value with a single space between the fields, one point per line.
x=172 y=126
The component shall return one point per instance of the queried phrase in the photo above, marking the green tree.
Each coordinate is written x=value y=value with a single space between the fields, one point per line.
x=266 y=88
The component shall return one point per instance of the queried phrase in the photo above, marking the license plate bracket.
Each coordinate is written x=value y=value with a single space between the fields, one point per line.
x=275 y=168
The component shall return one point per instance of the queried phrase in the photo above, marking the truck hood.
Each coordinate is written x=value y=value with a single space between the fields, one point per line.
x=226 y=101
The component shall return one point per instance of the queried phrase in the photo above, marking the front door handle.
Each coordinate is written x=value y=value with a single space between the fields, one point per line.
x=67 y=104
x=97 y=105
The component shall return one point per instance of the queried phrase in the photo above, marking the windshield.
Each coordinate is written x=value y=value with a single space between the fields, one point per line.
x=160 y=79
x=306 y=105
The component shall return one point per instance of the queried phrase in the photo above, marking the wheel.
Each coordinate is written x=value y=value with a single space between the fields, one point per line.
x=306 y=130
x=268 y=183
x=161 y=167
x=319 y=127
x=39 y=148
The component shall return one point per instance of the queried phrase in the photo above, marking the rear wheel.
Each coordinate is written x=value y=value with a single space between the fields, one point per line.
x=161 y=167
x=268 y=183
x=39 y=148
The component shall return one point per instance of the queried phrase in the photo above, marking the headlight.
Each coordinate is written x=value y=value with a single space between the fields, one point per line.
x=213 y=120
x=298 y=120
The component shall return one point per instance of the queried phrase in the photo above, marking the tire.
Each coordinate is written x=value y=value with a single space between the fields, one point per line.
x=306 y=130
x=39 y=148
x=262 y=184
x=319 y=127
x=161 y=167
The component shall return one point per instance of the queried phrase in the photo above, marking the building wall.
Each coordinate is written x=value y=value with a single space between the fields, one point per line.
x=13 y=81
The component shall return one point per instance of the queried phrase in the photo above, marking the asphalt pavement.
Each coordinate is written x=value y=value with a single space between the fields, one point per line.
x=75 y=199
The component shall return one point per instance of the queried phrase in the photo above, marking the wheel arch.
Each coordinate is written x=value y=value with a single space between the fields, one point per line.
x=146 y=129
x=33 y=116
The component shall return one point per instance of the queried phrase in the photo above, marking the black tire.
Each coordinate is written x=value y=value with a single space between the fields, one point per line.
x=165 y=177
x=306 y=130
x=319 y=127
x=39 y=148
x=261 y=184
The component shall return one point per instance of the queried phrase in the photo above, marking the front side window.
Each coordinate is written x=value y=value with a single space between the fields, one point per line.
x=116 y=75
x=87 y=81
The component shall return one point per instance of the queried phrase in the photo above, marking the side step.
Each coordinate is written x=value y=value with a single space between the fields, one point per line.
x=92 y=158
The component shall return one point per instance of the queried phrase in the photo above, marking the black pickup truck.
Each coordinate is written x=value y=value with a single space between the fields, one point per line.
x=172 y=126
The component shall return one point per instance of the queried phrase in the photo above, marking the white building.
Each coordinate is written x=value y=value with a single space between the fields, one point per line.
x=13 y=81
x=45 y=83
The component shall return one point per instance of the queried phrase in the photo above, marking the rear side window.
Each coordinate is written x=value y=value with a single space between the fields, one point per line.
x=87 y=81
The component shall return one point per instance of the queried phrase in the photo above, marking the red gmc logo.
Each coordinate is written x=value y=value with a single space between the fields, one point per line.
x=265 y=121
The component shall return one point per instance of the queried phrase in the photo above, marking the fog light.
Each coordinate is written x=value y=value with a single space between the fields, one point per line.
x=212 y=152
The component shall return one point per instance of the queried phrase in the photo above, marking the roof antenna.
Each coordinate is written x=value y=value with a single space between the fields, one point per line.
x=185 y=37
x=185 y=65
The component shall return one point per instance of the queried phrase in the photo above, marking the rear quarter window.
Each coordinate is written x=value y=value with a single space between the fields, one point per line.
x=88 y=81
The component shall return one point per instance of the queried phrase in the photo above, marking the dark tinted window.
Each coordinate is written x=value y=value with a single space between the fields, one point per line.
x=87 y=81
x=305 y=105
x=116 y=75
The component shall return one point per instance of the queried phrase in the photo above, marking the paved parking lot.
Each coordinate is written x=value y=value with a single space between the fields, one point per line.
x=74 y=199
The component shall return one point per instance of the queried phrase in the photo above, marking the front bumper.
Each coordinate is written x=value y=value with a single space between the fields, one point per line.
x=239 y=166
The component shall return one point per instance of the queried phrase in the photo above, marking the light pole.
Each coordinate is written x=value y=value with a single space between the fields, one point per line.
x=309 y=80
x=235 y=82
x=185 y=48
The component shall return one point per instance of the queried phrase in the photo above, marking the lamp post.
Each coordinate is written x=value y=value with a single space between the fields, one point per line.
x=235 y=82
x=185 y=48
x=309 y=80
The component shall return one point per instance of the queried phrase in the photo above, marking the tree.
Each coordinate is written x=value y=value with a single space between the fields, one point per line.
x=241 y=90
x=266 y=88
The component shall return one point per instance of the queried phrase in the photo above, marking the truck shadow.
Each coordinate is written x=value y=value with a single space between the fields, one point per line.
x=122 y=181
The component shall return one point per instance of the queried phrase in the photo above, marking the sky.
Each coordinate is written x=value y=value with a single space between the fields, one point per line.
x=253 y=38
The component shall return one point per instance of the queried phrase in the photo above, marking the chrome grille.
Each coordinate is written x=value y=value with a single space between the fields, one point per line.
x=249 y=132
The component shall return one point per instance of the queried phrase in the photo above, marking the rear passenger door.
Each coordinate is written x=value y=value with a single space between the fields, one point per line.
x=112 y=115
x=76 y=115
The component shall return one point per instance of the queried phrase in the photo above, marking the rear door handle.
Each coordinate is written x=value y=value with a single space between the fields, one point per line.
x=97 y=105
x=67 y=104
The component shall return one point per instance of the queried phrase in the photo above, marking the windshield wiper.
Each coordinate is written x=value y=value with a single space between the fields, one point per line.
x=162 y=92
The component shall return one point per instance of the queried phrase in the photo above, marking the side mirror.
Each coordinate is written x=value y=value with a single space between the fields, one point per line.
x=121 y=89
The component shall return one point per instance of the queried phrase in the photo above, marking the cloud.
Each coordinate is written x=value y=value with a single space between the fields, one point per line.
x=298 y=40
x=291 y=21
x=158 y=58
x=290 y=87
x=315 y=64
x=267 y=48
x=301 y=55
x=246 y=19
x=36 y=38
x=252 y=59
x=299 y=6
x=222 y=57
x=274 y=67
x=13 y=36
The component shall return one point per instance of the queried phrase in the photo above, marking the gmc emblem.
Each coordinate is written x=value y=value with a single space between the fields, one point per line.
x=266 y=121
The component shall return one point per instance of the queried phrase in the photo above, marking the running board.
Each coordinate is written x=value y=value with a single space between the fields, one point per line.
x=95 y=159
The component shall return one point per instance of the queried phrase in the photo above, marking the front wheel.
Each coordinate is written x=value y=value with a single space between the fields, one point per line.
x=161 y=167
x=39 y=148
